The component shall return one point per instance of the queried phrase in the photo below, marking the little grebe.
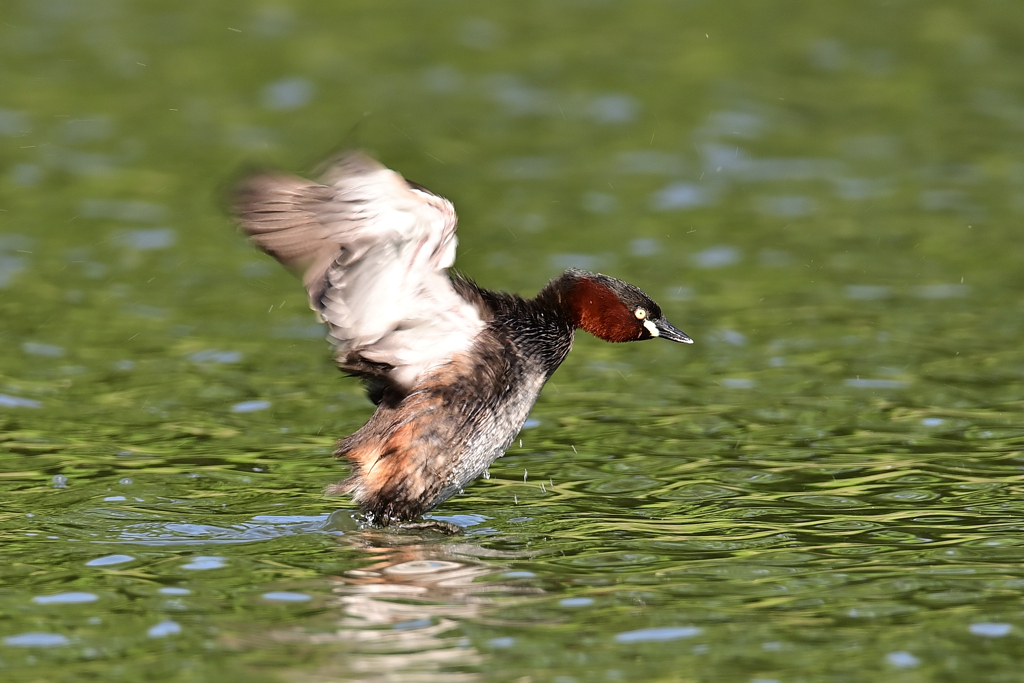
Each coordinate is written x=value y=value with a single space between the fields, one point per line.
x=453 y=368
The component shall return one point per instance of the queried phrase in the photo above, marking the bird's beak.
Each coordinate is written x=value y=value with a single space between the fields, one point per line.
x=667 y=330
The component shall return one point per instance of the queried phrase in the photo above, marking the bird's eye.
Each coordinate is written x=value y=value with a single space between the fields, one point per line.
x=640 y=313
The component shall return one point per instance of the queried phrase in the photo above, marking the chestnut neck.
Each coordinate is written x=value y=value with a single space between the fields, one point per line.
x=589 y=304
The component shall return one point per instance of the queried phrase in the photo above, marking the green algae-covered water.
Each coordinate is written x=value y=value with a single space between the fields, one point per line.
x=827 y=486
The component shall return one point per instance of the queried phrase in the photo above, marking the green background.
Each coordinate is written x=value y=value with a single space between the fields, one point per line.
x=825 y=487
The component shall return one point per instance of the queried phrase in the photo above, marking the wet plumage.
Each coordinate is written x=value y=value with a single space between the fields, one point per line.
x=453 y=367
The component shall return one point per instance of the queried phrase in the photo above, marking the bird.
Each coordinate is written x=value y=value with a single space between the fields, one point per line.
x=453 y=368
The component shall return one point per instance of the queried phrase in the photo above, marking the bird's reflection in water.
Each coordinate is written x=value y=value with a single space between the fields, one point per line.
x=400 y=614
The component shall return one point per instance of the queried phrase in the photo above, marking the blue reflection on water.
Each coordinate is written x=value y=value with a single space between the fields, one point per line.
x=259 y=528
x=990 y=629
x=164 y=629
x=72 y=598
x=36 y=639
x=18 y=402
x=286 y=596
x=250 y=406
x=109 y=560
x=205 y=562
x=659 y=634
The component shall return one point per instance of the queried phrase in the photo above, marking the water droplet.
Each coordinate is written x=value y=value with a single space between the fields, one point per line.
x=60 y=481
x=487 y=474
x=125 y=481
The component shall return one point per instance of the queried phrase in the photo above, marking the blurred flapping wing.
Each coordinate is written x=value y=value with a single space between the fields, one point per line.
x=372 y=251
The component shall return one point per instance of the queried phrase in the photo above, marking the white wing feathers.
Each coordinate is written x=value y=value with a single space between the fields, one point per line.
x=373 y=253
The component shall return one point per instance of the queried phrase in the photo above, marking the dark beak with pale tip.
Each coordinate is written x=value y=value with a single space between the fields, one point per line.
x=667 y=330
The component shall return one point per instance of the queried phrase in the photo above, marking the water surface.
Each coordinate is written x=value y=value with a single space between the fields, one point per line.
x=825 y=487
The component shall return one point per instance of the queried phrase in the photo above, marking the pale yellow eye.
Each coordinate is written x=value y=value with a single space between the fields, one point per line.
x=640 y=313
